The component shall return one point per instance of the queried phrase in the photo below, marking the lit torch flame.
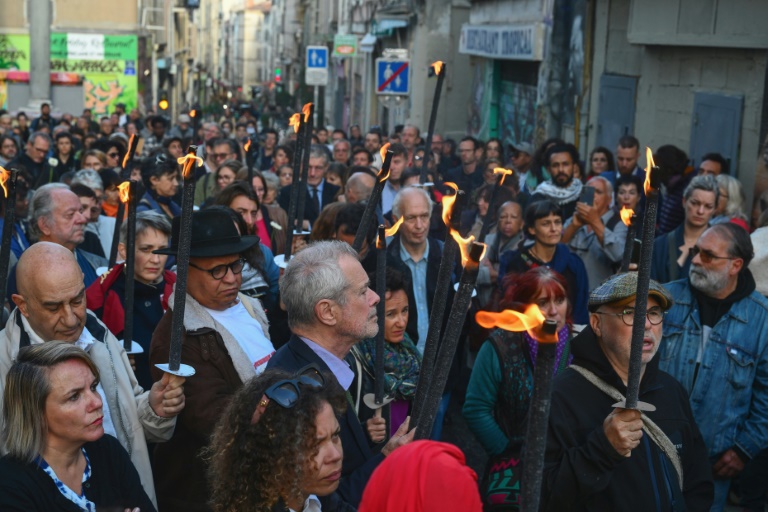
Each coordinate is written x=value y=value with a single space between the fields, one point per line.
x=187 y=162
x=128 y=153
x=4 y=176
x=437 y=66
x=305 y=111
x=125 y=191
x=193 y=113
x=294 y=121
x=247 y=145
x=649 y=167
x=504 y=173
x=514 y=321
x=464 y=243
x=391 y=231
x=626 y=215
x=383 y=153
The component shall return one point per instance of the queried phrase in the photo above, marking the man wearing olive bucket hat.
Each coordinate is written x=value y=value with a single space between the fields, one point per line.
x=226 y=341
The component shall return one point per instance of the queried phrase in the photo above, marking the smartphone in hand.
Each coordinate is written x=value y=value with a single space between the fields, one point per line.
x=587 y=196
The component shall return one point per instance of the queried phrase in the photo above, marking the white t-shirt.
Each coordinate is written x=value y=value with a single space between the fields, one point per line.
x=248 y=333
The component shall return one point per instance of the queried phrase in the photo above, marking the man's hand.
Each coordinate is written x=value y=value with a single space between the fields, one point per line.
x=377 y=429
x=624 y=429
x=728 y=465
x=400 y=438
x=587 y=215
x=167 y=396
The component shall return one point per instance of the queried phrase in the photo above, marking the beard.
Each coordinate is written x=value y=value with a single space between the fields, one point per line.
x=562 y=180
x=707 y=282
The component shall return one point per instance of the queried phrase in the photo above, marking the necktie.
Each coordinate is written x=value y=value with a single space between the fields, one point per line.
x=315 y=198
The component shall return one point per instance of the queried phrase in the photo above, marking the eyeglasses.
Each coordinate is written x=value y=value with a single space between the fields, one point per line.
x=655 y=315
x=113 y=155
x=706 y=256
x=220 y=156
x=219 y=271
x=287 y=392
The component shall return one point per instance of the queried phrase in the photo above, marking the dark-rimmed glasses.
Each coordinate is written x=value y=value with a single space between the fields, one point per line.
x=706 y=256
x=287 y=392
x=219 y=271
x=627 y=315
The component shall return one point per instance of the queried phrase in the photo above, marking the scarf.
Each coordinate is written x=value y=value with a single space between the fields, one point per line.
x=562 y=338
x=560 y=195
x=402 y=362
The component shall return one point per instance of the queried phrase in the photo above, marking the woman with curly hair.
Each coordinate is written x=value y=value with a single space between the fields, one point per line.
x=277 y=445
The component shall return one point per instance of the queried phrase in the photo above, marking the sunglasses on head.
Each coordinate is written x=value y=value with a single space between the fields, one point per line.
x=287 y=392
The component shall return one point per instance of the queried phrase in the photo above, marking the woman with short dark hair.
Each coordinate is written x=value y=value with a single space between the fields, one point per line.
x=58 y=456
x=160 y=175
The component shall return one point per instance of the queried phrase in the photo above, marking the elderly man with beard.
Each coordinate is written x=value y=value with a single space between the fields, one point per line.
x=716 y=345
x=561 y=189
x=603 y=457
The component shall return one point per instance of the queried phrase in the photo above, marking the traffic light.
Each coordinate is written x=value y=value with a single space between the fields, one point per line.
x=163 y=104
x=278 y=75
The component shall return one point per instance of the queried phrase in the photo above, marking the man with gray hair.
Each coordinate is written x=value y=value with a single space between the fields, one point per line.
x=596 y=233
x=672 y=251
x=716 y=345
x=331 y=307
x=359 y=187
x=319 y=192
x=56 y=215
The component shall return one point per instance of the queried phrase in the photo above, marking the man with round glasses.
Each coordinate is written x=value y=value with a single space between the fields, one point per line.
x=226 y=341
x=603 y=457
x=716 y=345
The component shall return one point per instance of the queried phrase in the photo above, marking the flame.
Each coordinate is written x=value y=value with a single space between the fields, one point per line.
x=125 y=191
x=188 y=161
x=530 y=320
x=294 y=121
x=504 y=173
x=438 y=65
x=626 y=215
x=4 y=176
x=391 y=231
x=127 y=156
x=247 y=145
x=648 y=169
x=193 y=113
x=305 y=111
x=464 y=243
x=383 y=153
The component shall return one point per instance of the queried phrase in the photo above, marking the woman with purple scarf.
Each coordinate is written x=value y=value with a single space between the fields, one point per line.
x=501 y=385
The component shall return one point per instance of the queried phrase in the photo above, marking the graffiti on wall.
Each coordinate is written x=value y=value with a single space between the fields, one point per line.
x=517 y=112
x=479 y=120
x=99 y=97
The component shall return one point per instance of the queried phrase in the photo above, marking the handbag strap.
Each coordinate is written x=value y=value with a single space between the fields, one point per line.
x=649 y=427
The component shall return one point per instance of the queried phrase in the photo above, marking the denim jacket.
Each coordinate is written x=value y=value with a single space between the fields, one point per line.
x=730 y=396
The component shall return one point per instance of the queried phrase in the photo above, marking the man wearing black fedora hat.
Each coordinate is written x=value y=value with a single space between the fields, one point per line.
x=226 y=341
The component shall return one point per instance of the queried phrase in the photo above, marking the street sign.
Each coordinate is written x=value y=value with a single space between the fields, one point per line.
x=316 y=72
x=345 y=45
x=392 y=77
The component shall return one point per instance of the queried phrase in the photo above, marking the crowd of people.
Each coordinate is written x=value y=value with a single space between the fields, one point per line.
x=275 y=416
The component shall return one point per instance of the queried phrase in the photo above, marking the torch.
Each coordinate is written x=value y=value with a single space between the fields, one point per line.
x=377 y=400
x=492 y=206
x=545 y=333
x=135 y=144
x=251 y=150
x=436 y=68
x=174 y=365
x=8 y=182
x=471 y=254
x=652 y=182
x=195 y=122
x=452 y=208
x=629 y=218
x=129 y=192
x=307 y=110
x=370 y=208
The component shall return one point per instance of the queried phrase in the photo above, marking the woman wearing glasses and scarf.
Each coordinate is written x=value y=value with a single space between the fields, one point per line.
x=277 y=446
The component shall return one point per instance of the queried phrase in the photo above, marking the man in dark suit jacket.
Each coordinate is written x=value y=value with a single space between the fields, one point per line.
x=331 y=308
x=316 y=186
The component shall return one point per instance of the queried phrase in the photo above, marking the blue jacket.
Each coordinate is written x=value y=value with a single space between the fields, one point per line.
x=729 y=397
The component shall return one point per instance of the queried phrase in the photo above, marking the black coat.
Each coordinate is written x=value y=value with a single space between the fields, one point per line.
x=359 y=462
x=114 y=483
x=582 y=471
x=310 y=212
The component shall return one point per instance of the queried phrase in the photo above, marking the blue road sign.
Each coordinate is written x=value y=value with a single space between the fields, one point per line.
x=317 y=57
x=392 y=77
